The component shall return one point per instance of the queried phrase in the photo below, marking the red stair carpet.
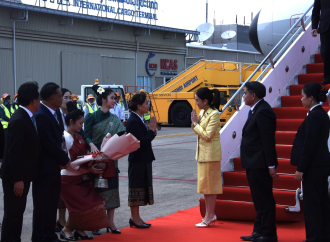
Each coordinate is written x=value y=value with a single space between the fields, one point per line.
x=236 y=203
x=179 y=227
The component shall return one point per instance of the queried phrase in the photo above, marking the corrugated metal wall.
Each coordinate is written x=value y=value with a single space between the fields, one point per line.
x=76 y=55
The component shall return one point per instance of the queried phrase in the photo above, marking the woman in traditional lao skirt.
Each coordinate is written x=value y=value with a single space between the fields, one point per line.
x=140 y=161
x=86 y=208
x=97 y=125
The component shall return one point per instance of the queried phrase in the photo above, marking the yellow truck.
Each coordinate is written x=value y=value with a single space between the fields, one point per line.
x=173 y=102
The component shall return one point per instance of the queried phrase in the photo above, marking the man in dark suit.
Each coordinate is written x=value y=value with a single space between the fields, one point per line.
x=321 y=24
x=46 y=189
x=21 y=161
x=259 y=158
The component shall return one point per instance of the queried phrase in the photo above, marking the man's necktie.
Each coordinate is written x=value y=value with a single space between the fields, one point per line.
x=250 y=112
x=34 y=123
x=55 y=115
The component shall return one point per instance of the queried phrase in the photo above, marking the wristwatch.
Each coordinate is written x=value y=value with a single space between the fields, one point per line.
x=195 y=124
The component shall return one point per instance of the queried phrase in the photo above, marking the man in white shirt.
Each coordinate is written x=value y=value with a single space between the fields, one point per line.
x=117 y=108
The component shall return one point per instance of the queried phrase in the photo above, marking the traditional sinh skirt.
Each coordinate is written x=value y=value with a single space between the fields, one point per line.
x=209 y=179
x=86 y=208
x=140 y=184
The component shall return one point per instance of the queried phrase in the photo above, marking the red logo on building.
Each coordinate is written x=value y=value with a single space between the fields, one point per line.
x=167 y=64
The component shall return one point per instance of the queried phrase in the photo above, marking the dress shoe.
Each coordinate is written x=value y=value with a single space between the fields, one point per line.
x=132 y=224
x=114 y=231
x=254 y=235
x=77 y=235
x=64 y=236
x=96 y=232
x=325 y=82
x=59 y=227
x=205 y=223
x=265 y=239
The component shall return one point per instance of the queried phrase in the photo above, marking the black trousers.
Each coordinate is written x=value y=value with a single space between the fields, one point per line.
x=325 y=52
x=46 y=193
x=316 y=204
x=14 y=208
x=261 y=186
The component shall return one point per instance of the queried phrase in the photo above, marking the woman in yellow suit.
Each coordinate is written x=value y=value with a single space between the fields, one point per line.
x=208 y=154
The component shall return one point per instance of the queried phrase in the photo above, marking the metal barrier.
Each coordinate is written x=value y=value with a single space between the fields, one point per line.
x=269 y=56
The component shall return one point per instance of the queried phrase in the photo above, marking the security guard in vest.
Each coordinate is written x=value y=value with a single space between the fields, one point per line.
x=75 y=99
x=90 y=106
x=6 y=110
x=15 y=103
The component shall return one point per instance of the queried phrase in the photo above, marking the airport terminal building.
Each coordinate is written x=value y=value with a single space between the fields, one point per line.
x=48 y=43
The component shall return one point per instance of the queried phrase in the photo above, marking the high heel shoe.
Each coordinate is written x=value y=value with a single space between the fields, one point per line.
x=114 y=231
x=147 y=224
x=64 y=236
x=205 y=223
x=83 y=237
x=96 y=232
x=214 y=218
x=59 y=227
x=143 y=226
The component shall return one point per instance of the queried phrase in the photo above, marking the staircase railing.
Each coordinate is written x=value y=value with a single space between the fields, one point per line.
x=269 y=56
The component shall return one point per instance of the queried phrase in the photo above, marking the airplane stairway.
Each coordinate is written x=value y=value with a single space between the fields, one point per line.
x=236 y=202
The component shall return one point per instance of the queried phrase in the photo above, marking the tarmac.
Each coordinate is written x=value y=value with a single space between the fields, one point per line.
x=174 y=180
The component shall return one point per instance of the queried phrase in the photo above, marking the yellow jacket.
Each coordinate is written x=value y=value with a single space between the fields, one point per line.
x=208 y=131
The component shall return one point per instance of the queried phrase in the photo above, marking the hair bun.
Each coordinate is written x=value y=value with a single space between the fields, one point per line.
x=71 y=107
x=323 y=95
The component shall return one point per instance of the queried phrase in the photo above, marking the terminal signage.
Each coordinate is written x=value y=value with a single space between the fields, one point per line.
x=168 y=67
x=130 y=9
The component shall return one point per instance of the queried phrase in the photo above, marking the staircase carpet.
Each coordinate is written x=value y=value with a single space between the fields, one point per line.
x=290 y=112
x=244 y=211
x=318 y=59
x=284 y=166
x=295 y=90
x=288 y=124
x=286 y=182
x=306 y=78
x=244 y=194
x=315 y=68
x=295 y=101
x=284 y=138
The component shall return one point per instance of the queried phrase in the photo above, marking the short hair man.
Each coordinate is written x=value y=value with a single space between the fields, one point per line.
x=259 y=158
x=46 y=189
x=21 y=160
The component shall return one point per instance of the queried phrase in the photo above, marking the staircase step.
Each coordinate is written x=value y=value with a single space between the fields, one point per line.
x=290 y=112
x=244 y=211
x=318 y=58
x=284 y=138
x=288 y=124
x=244 y=194
x=295 y=101
x=295 y=90
x=286 y=182
x=315 y=68
x=283 y=151
x=284 y=166
x=306 y=78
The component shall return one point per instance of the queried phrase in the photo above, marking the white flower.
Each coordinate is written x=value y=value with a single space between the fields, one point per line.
x=100 y=90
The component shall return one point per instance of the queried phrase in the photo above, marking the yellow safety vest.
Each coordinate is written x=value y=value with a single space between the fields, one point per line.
x=90 y=109
x=147 y=116
x=78 y=106
x=8 y=115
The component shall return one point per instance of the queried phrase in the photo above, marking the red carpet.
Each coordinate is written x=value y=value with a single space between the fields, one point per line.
x=179 y=227
x=236 y=202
